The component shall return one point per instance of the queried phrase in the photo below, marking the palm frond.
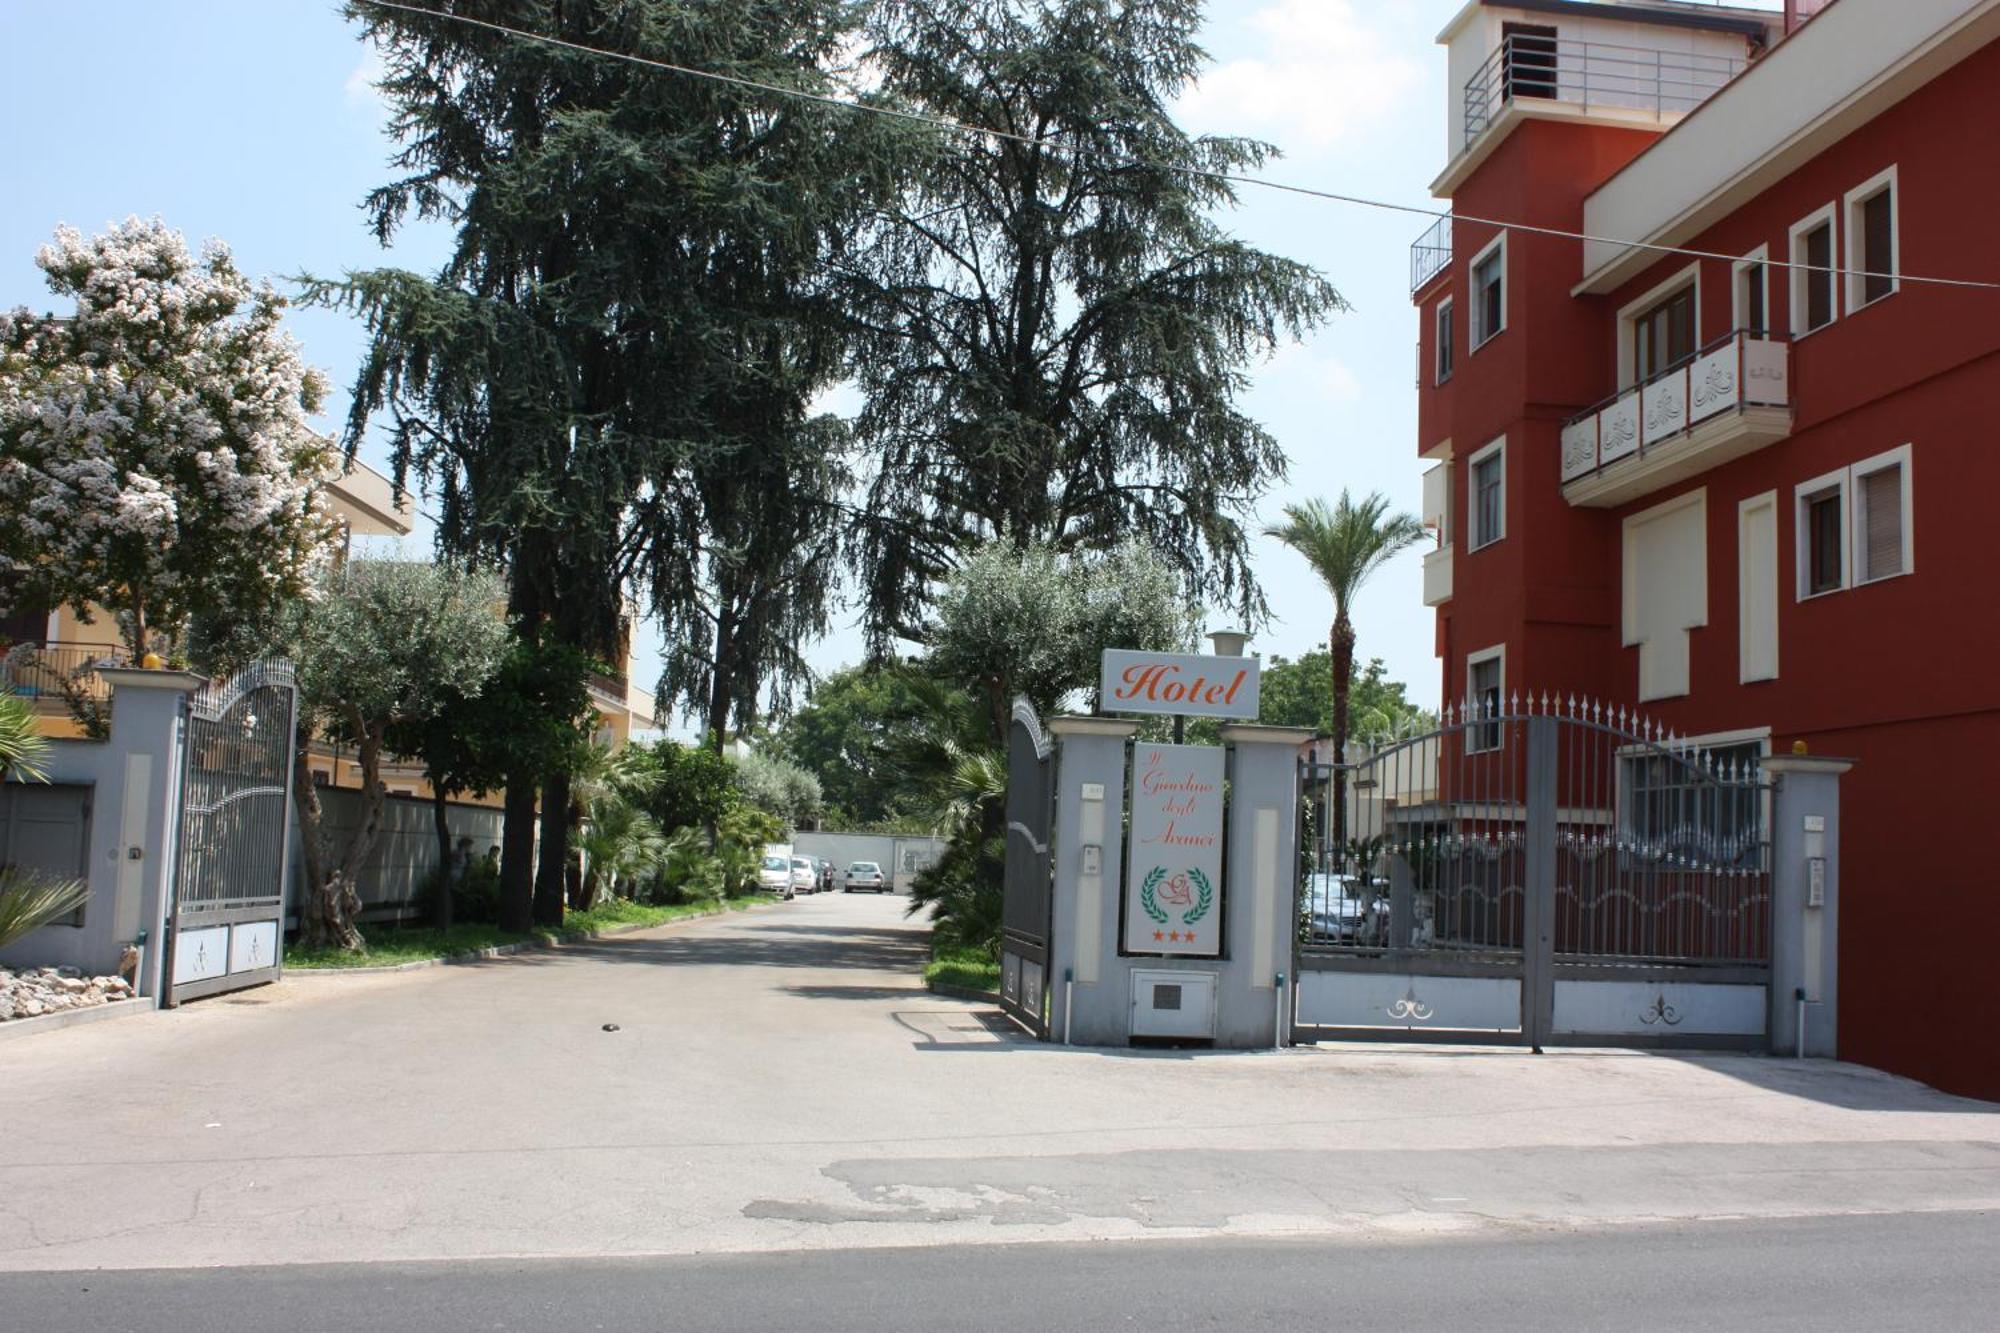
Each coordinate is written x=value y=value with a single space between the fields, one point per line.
x=1346 y=543
x=30 y=900
x=24 y=751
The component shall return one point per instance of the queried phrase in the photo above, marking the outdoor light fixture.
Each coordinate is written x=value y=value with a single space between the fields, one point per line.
x=1229 y=642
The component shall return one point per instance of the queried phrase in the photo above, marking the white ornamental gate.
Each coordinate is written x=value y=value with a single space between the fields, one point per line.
x=226 y=927
x=1538 y=871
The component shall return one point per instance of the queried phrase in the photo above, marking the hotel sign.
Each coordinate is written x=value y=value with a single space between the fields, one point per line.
x=1187 y=683
x=1173 y=890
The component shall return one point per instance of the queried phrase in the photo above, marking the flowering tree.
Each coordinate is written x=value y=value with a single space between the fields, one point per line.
x=154 y=453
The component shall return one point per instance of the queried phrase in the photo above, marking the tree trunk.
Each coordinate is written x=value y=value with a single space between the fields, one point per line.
x=551 y=875
x=1341 y=649
x=719 y=681
x=333 y=900
x=441 y=821
x=517 y=857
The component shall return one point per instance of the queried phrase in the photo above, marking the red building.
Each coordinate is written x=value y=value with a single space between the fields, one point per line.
x=1677 y=463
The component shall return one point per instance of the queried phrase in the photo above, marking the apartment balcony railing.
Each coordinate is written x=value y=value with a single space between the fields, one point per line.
x=49 y=674
x=1535 y=70
x=1731 y=397
x=1430 y=253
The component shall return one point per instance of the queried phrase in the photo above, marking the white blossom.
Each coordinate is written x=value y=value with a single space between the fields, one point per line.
x=155 y=454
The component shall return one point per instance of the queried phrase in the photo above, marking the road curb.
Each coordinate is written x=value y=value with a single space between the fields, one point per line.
x=506 y=950
x=69 y=1018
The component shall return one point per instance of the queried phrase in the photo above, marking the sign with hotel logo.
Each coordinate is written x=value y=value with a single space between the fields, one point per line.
x=1173 y=899
x=1186 y=683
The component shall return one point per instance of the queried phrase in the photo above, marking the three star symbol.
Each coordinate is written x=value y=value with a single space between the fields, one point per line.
x=1174 y=935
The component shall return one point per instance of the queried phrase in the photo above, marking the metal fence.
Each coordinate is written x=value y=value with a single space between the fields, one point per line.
x=51 y=674
x=1535 y=68
x=1659 y=844
x=1430 y=253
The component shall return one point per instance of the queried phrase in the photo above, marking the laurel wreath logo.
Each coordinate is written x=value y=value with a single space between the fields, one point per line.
x=1204 y=896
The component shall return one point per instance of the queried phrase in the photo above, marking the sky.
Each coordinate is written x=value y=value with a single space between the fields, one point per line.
x=254 y=121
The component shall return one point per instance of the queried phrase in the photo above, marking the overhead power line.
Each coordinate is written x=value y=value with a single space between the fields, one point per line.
x=951 y=126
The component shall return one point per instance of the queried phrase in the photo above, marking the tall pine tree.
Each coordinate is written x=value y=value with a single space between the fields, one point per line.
x=633 y=313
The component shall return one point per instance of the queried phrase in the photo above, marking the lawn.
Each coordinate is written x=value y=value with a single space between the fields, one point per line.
x=965 y=969
x=390 y=946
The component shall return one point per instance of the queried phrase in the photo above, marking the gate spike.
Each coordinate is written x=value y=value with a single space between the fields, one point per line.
x=1514 y=700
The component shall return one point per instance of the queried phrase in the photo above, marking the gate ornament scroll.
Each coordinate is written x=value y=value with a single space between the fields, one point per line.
x=1410 y=1007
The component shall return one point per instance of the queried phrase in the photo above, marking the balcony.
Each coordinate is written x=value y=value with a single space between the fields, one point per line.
x=1430 y=253
x=60 y=679
x=1534 y=71
x=1437 y=576
x=1731 y=398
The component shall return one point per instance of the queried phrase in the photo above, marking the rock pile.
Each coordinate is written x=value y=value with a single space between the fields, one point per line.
x=49 y=990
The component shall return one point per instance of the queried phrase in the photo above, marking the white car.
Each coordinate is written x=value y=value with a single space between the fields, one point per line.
x=866 y=875
x=774 y=875
x=804 y=878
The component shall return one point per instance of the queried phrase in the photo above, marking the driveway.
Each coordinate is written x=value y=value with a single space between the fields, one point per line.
x=778 y=1081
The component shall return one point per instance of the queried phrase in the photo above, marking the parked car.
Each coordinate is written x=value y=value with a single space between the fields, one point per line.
x=1335 y=907
x=804 y=880
x=866 y=875
x=774 y=875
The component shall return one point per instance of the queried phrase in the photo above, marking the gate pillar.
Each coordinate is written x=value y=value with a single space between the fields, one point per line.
x=1088 y=991
x=1262 y=876
x=148 y=738
x=1805 y=902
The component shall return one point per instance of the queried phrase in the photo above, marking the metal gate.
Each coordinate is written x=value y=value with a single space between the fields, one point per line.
x=226 y=929
x=1541 y=871
x=1024 y=933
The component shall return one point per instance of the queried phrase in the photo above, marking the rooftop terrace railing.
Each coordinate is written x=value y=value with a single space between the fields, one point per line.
x=1532 y=69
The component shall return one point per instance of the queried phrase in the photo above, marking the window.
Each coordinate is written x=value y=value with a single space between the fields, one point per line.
x=1825 y=537
x=1882 y=517
x=1530 y=60
x=1812 y=284
x=1445 y=322
x=1854 y=525
x=1485 y=677
x=1657 y=329
x=1750 y=311
x=1663 y=336
x=1489 y=291
x=1871 y=240
x=1486 y=495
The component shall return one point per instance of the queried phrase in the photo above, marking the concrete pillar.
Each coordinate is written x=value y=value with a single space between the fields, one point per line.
x=1261 y=888
x=148 y=734
x=1083 y=936
x=1805 y=901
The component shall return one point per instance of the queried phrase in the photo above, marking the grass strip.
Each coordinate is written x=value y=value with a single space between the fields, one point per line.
x=968 y=969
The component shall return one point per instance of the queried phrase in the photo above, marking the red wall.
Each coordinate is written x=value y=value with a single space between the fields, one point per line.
x=1903 y=675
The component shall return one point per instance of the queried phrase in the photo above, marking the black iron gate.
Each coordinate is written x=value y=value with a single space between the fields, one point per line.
x=226 y=929
x=1538 y=871
x=1024 y=934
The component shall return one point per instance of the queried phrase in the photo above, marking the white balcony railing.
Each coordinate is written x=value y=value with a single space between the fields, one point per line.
x=1707 y=400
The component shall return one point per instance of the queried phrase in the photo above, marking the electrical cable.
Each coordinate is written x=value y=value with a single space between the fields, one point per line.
x=1051 y=145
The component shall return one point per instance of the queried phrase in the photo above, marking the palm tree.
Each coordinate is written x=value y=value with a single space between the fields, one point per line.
x=1345 y=544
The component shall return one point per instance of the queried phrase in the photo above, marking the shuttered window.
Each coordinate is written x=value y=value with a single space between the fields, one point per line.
x=1880 y=522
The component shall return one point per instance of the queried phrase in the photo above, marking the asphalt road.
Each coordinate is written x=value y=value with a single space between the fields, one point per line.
x=1930 y=1271
x=779 y=1082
